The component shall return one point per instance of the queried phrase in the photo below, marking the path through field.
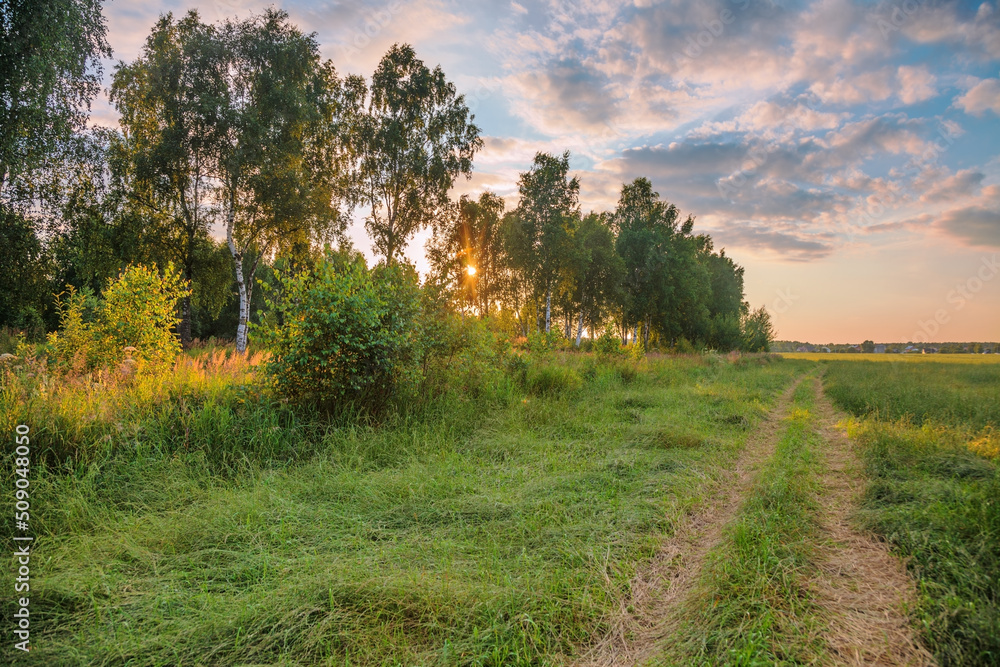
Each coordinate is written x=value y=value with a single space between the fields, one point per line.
x=858 y=591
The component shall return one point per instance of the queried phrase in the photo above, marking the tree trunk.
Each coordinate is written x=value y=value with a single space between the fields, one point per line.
x=241 y=328
x=184 y=328
x=548 y=309
x=645 y=334
x=635 y=333
x=579 y=329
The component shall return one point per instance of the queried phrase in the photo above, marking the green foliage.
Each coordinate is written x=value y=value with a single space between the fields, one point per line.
x=758 y=332
x=73 y=345
x=413 y=139
x=24 y=264
x=466 y=253
x=608 y=346
x=540 y=233
x=346 y=336
x=683 y=346
x=138 y=309
x=50 y=69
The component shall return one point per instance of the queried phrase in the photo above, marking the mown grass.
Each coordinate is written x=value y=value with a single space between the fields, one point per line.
x=933 y=494
x=199 y=521
x=752 y=606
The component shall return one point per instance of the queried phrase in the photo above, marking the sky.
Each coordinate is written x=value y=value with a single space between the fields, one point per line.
x=846 y=153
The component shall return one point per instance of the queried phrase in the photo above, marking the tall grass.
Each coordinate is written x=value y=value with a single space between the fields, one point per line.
x=956 y=394
x=939 y=505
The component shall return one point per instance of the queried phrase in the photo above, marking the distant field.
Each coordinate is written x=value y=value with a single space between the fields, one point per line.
x=899 y=358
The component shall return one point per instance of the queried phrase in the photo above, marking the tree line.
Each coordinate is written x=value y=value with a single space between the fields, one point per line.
x=241 y=130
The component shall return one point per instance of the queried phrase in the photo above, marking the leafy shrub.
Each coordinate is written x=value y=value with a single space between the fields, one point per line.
x=138 y=309
x=540 y=342
x=460 y=354
x=346 y=335
x=607 y=346
x=683 y=346
x=758 y=331
x=553 y=379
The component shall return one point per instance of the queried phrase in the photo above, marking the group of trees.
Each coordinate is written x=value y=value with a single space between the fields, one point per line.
x=240 y=130
x=639 y=268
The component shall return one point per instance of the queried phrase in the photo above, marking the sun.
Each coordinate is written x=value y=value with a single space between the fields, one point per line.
x=471 y=270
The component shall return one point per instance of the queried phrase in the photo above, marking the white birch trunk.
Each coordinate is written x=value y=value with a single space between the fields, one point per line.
x=548 y=310
x=579 y=329
x=241 y=328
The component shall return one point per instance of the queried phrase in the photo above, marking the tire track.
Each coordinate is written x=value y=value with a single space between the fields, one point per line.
x=862 y=588
x=653 y=611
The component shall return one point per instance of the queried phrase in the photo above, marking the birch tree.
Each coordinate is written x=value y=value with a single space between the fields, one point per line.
x=413 y=139
x=546 y=215
x=282 y=163
x=169 y=99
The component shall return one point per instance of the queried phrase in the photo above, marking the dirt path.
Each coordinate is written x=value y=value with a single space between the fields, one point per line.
x=652 y=612
x=862 y=588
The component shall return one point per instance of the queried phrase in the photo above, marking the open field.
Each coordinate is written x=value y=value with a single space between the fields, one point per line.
x=685 y=510
x=897 y=358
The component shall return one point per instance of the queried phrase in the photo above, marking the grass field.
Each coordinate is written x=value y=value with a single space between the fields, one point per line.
x=929 y=441
x=191 y=520
x=472 y=534
x=897 y=358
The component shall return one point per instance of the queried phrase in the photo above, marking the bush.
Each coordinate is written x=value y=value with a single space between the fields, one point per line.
x=758 y=331
x=463 y=355
x=345 y=335
x=608 y=346
x=138 y=309
x=540 y=342
x=683 y=346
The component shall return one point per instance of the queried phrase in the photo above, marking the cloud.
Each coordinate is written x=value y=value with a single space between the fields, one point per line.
x=973 y=225
x=937 y=187
x=784 y=245
x=916 y=84
x=982 y=97
x=862 y=88
x=568 y=92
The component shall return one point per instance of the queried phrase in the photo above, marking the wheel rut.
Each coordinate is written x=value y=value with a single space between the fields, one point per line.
x=652 y=612
x=861 y=587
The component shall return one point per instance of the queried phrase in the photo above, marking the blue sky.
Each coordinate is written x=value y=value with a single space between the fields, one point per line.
x=846 y=153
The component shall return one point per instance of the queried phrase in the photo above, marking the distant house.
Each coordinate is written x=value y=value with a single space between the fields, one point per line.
x=911 y=349
x=825 y=349
x=879 y=349
x=804 y=348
